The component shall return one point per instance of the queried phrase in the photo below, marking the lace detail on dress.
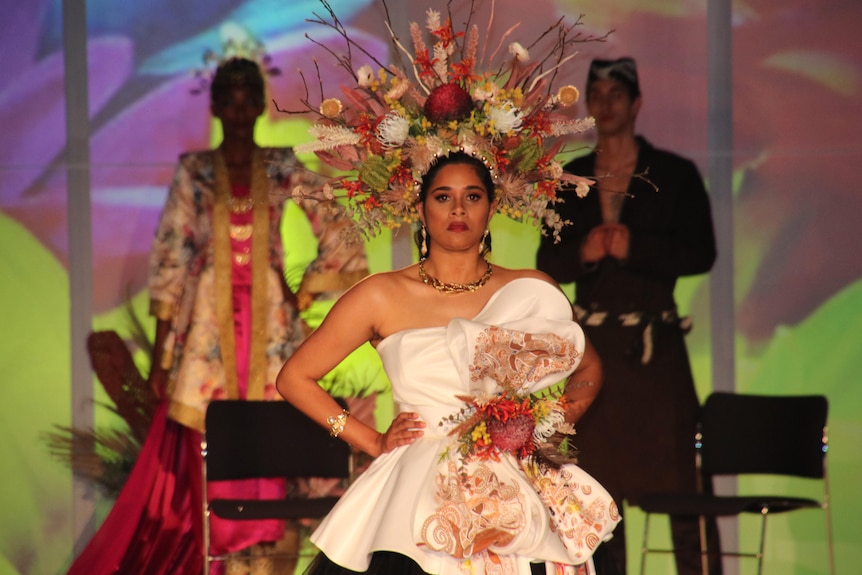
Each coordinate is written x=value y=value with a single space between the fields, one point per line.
x=475 y=511
x=580 y=517
x=514 y=358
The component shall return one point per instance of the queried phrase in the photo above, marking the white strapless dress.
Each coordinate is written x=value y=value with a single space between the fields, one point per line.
x=479 y=516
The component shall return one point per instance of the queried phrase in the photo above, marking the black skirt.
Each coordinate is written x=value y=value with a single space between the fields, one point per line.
x=383 y=563
x=391 y=563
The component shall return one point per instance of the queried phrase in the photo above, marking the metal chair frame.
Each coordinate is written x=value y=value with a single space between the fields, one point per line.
x=751 y=434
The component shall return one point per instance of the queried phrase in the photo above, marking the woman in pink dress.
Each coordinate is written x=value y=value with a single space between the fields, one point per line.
x=226 y=322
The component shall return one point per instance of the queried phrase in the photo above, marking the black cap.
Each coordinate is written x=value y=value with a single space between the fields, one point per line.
x=623 y=70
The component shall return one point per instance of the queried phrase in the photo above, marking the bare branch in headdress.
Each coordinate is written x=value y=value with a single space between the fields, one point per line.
x=305 y=101
x=467 y=26
x=393 y=38
x=336 y=24
x=503 y=39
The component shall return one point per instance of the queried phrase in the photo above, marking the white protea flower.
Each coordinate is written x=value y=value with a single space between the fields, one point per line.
x=519 y=52
x=505 y=119
x=365 y=76
x=548 y=425
x=393 y=130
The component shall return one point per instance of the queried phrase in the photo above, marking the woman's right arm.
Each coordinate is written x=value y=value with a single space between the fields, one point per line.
x=353 y=320
x=584 y=384
x=169 y=260
x=158 y=378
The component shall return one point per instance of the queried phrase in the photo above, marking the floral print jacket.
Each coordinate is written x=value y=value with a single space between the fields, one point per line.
x=186 y=267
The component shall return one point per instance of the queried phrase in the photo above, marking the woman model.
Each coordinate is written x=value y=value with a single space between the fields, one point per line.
x=226 y=322
x=455 y=331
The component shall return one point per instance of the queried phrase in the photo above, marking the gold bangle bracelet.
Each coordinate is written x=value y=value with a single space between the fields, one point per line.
x=336 y=423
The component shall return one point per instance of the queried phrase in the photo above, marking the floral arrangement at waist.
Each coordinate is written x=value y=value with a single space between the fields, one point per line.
x=394 y=123
x=523 y=425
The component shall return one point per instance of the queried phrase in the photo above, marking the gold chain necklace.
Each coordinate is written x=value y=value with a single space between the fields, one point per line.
x=452 y=288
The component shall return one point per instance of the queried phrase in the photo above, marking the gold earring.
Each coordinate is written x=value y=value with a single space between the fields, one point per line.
x=484 y=239
x=423 y=248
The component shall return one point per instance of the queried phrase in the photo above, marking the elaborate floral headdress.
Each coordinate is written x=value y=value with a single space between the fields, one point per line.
x=237 y=42
x=396 y=122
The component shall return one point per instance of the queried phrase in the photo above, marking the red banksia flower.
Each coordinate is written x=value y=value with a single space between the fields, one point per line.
x=448 y=102
x=513 y=434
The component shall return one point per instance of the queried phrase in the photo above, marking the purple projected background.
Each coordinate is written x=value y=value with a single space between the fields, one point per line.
x=797 y=73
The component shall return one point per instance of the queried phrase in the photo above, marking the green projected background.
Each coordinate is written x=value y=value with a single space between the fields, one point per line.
x=797 y=91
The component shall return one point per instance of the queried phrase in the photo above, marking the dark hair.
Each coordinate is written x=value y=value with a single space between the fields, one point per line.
x=237 y=73
x=456 y=158
x=622 y=70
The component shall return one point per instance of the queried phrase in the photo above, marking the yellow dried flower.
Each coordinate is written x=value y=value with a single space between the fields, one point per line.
x=480 y=432
x=541 y=409
x=568 y=95
x=518 y=97
x=330 y=107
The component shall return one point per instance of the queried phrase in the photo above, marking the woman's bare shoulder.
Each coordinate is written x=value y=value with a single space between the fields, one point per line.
x=380 y=286
x=364 y=306
x=388 y=279
x=380 y=301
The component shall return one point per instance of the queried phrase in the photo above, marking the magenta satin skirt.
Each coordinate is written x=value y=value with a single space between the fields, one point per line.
x=153 y=526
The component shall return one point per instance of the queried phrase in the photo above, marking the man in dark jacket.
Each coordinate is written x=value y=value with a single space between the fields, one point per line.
x=646 y=222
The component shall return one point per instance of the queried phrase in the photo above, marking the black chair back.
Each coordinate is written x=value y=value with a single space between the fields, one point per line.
x=248 y=439
x=758 y=434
